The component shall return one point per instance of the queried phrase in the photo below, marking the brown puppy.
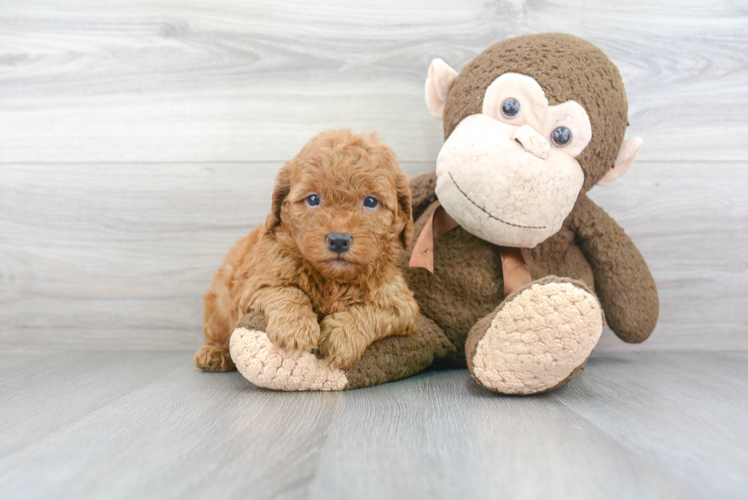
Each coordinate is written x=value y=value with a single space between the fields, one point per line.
x=322 y=268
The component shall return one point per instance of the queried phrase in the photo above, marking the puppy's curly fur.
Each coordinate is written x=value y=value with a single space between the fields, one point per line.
x=311 y=296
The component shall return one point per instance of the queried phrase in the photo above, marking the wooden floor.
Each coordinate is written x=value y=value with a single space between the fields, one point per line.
x=87 y=424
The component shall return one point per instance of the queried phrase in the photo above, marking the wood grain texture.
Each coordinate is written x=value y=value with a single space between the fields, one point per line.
x=37 y=393
x=241 y=80
x=476 y=445
x=181 y=435
x=674 y=395
x=119 y=256
x=690 y=221
x=652 y=425
x=140 y=140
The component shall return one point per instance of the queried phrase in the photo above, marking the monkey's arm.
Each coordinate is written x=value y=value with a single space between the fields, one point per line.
x=623 y=282
x=423 y=190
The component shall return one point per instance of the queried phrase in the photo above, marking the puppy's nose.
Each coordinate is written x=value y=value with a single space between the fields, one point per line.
x=339 y=242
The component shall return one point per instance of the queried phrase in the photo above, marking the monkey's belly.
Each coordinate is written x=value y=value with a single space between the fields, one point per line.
x=468 y=284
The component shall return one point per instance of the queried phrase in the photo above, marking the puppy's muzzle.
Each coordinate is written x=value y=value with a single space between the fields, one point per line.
x=339 y=242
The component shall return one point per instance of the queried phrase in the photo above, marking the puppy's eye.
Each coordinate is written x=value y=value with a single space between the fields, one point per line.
x=370 y=202
x=510 y=108
x=561 y=136
x=313 y=200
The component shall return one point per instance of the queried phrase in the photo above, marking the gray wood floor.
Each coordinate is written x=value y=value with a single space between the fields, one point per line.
x=91 y=424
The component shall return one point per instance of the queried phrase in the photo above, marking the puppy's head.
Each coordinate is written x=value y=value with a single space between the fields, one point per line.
x=344 y=203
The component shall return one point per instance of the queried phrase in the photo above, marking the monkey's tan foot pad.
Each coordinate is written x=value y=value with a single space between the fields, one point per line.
x=266 y=366
x=539 y=338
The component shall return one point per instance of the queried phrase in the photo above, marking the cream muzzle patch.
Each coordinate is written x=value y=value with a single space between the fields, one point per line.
x=509 y=174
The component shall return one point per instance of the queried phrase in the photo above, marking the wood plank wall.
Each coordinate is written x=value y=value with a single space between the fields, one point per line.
x=139 y=139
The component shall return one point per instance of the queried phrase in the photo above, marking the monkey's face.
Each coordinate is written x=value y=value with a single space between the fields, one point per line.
x=509 y=175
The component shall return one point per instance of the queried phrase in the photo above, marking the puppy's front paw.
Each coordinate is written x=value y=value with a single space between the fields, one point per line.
x=294 y=330
x=343 y=342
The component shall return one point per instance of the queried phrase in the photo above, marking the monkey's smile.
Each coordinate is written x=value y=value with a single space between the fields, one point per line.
x=488 y=213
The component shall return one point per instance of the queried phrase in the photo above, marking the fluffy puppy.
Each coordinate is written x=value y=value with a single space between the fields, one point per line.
x=322 y=268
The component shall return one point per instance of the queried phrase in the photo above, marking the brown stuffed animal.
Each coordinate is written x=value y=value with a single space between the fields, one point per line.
x=513 y=265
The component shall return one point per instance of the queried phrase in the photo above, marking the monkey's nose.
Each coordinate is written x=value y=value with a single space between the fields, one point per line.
x=339 y=242
x=533 y=142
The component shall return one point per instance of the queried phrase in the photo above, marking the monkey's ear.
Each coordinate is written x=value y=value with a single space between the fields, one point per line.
x=440 y=80
x=626 y=157
x=282 y=188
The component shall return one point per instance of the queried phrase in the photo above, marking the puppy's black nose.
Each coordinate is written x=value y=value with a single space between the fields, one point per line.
x=339 y=242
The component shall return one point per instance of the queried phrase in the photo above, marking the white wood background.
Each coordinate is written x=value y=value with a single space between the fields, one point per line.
x=139 y=139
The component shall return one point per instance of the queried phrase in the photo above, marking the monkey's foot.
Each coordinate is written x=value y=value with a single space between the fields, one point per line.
x=263 y=364
x=538 y=339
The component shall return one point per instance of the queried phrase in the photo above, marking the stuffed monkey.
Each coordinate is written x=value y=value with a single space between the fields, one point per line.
x=514 y=268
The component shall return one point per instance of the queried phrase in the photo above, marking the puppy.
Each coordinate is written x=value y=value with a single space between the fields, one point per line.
x=322 y=268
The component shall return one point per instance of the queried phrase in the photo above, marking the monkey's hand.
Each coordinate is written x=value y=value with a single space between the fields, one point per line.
x=623 y=282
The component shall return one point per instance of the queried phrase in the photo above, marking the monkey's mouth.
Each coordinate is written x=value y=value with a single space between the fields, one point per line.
x=488 y=213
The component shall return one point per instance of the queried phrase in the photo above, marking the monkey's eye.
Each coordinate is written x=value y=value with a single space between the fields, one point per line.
x=510 y=108
x=370 y=202
x=313 y=200
x=561 y=136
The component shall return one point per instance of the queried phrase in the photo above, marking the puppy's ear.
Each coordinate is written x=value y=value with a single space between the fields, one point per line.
x=404 y=200
x=282 y=188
